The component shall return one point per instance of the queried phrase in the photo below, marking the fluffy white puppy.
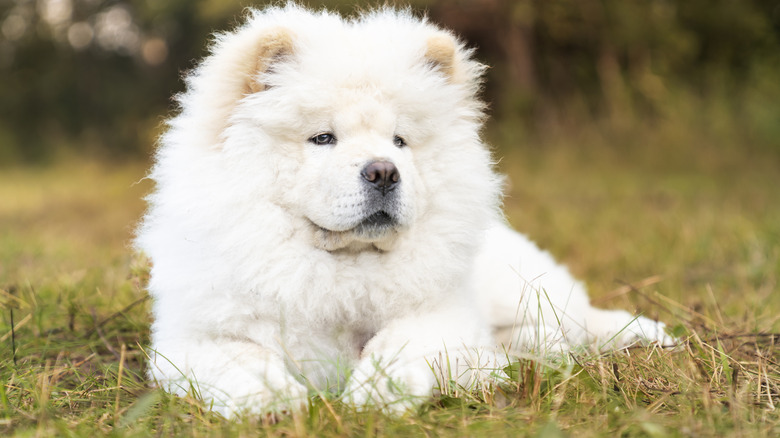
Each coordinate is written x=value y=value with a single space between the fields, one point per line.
x=326 y=217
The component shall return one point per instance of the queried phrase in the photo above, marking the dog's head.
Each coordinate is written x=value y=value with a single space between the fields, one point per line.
x=363 y=125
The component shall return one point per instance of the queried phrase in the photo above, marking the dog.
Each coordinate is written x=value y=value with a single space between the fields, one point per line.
x=326 y=217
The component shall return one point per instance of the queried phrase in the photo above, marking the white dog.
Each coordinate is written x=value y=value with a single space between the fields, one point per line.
x=326 y=213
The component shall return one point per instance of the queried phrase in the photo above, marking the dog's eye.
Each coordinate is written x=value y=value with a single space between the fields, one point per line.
x=323 y=139
x=399 y=141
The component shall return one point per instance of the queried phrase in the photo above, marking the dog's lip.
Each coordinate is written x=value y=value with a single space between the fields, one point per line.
x=377 y=220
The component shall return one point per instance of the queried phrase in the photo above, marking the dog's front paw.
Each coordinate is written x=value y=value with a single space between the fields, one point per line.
x=389 y=386
x=256 y=397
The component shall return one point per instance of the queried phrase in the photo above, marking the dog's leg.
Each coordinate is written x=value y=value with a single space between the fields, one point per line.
x=522 y=288
x=406 y=361
x=541 y=339
x=609 y=329
x=230 y=376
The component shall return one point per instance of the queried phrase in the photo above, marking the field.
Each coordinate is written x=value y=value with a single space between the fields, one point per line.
x=670 y=225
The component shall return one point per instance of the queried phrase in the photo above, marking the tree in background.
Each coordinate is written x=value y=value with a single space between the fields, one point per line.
x=95 y=76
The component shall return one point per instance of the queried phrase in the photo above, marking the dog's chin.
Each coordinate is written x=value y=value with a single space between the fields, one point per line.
x=376 y=232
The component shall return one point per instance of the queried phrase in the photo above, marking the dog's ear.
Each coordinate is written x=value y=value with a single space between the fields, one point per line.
x=273 y=45
x=234 y=70
x=442 y=53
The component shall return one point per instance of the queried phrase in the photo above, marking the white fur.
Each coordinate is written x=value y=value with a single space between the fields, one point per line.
x=263 y=291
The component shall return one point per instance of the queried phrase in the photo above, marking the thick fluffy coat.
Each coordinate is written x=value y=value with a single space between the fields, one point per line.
x=326 y=214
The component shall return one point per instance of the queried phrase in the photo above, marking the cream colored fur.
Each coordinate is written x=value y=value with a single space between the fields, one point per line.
x=267 y=283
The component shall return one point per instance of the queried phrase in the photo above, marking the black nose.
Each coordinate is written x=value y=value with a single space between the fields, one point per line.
x=382 y=175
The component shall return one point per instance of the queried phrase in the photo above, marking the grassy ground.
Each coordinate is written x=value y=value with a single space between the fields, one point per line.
x=690 y=235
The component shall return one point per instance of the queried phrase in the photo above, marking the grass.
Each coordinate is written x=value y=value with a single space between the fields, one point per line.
x=674 y=227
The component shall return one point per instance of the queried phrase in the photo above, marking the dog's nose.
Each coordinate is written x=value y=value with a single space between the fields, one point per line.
x=382 y=175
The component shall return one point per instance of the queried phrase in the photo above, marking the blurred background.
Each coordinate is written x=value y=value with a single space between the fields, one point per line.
x=95 y=77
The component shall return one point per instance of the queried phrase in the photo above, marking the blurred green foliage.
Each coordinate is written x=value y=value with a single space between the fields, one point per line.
x=95 y=76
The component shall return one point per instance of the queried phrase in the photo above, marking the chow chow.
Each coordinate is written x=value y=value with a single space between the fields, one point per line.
x=326 y=217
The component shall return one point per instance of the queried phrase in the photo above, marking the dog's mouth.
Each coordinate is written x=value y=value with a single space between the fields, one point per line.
x=375 y=222
x=380 y=219
x=374 y=228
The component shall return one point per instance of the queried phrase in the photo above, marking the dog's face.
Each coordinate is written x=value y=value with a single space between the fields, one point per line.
x=353 y=127
x=358 y=180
